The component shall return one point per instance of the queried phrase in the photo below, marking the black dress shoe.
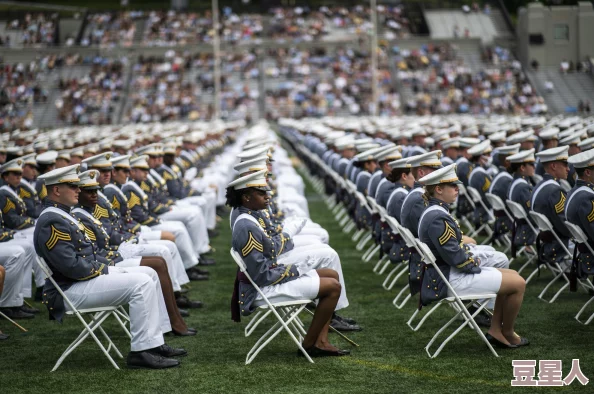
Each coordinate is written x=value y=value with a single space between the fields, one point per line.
x=184 y=312
x=497 y=343
x=39 y=294
x=185 y=302
x=16 y=313
x=343 y=326
x=347 y=320
x=4 y=336
x=26 y=309
x=167 y=351
x=205 y=262
x=150 y=360
x=188 y=333
x=195 y=276
x=192 y=329
x=200 y=271
x=317 y=352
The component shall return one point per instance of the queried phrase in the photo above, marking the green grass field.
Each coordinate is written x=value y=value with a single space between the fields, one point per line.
x=391 y=357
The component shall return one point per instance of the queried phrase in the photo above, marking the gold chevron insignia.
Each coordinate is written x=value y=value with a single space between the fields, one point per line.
x=100 y=212
x=560 y=206
x=144 y=186
x=133 y=201
x=90 y=233
x=447 y=234
x=167 y=176
x=487 y=184
x=115 y=203
x=56 y=236
x=9 y=205
x=262 y=224
x=251 y=245
x=24 y=193
x=43 y=192
x=591 y=214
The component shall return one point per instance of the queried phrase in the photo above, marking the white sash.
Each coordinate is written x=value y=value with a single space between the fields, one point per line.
x=396 y=191
x=359 y=175
x=31 y=188
x=137 y=189
x=157 y=176
x=431 y=208
x=581 y=189
x=379 y=186
x=476 y=170
x=12 y=193
x=513 y=186
x=416 y=190
x=462 y=160
x=250 y=218
x=498 y=177
x=535 y=193
x=66 y=216
x=101 y=195
x=92 y=218
x=117 y=190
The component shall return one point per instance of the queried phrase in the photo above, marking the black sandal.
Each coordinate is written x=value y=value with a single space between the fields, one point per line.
x=317 y=352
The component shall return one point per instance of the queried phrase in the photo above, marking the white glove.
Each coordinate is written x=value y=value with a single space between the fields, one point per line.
x=294 y=227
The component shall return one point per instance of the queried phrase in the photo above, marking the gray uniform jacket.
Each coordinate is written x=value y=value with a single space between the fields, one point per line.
x=549 y=199
x=579 y=209
x=119 y=203
x=441 y=232
x=258 y=252
x=29 y=195
x=481 y=181
x=14 y=209
x=499 y=187
x=520 y=191
x=62 y=243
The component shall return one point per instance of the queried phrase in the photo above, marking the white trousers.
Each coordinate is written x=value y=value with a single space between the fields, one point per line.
x=315 y=257
x=300 y=241
x=182 y=241
x=25 y=240
x=149 y=234
x=165 y=249
x=206 y=203
x=137 y=286
x=194 y=221
x=17 y=267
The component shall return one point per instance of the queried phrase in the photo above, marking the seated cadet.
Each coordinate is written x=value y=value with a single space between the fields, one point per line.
x=46 y=162
x=124 y=257
x=164 y=207
x=404 y=181
x=548 y=198
x=572 y=142
x=579 y=209
x=15 y=262
x=522 y=165
x=467 y=272
x=549 y=138
x=366 y=162
x=15 y=218
x=90 y=282
x=63 y=158
x=138 y=204
x=27 y=187
x=480 y=179
x=386 y=187
x=309 y=256
x=450 y=151
x=463 y=170
x=104 y=211
x=277 y=281
x=500 y=186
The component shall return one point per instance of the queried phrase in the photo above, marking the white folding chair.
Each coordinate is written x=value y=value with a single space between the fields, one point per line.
x=499 y=206
x=373 y=249
x=286 y=319
x=456 y=302
x=519 y=214
x=543 y=223
x=99 y=316
x=580 y=238
x=462 y=192
x=409 y=239
x=476 y=198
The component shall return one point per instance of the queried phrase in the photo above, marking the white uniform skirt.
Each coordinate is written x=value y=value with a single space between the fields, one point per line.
x=306 y=287
x=488 y=281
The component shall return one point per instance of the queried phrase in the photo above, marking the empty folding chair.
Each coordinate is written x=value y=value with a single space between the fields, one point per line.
x=99 y=316
x=583 y=245
x=457 y=303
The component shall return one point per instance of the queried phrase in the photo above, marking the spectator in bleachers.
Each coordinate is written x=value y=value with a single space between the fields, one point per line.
x=111 y=29
x=35 y=29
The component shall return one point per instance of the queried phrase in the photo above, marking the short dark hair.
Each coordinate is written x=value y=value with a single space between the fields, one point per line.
x=234 y=196
x=580 y=171
x=396 y=174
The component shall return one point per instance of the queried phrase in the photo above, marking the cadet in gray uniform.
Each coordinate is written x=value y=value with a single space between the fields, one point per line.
x=26 y=189
x=520 y=191
x=500 y=186
x=403 y=181
x=549 y=199
x=467 y=272
x=579 y=209
x=89 y=281
x=480 y=179
x=277 y=281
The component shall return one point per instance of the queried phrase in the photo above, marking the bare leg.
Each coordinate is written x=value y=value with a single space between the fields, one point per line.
x=2 y=276
x=158 y=264
x=507 y=305
x=167 y=236
x=317 y=334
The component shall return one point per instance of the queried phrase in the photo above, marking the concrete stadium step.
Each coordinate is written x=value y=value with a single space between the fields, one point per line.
x=568 y=90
